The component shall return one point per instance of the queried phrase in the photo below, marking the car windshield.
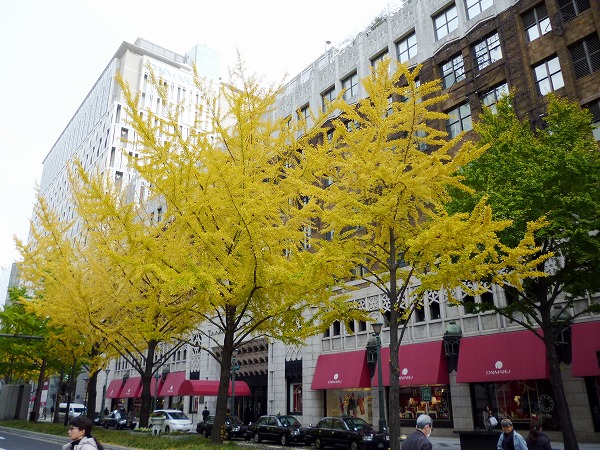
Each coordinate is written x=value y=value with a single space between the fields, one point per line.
x=356 y=424
x=177 y=415
x=233 y=420
x=289 y=421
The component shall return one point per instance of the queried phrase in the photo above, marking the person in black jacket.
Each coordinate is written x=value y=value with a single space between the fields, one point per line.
x=536 y=439
x=418 y=439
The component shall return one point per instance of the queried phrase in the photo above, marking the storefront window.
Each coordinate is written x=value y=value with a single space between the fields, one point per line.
x=433 y=400
x=296 y=398
x=195 y=404
x=593 y=390
x=518 y=400
x=352 y=402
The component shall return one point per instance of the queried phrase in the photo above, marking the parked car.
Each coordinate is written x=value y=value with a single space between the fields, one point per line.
x=75 y=409
x=99 y=419
x=234 y=428
x=348 y=432
x=119 y=421
x=282 y=429
x=174 y=420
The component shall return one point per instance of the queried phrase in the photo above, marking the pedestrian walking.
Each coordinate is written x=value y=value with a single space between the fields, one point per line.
x=536 y=439
x=205 y=414
x=80 y=433
x=418 y=439
x=510 y=439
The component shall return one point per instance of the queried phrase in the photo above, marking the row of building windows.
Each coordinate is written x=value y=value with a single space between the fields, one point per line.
x=535 y=21
x=547 y=74
x=431 y=309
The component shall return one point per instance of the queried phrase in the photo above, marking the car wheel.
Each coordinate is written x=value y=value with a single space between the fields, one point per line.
x=205 y=433
x=353 y=445
x=167 y=429
x=256 y=437
x=283 y=439
x=318 y=443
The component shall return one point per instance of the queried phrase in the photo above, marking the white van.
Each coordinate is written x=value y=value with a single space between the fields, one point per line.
x=75 y=409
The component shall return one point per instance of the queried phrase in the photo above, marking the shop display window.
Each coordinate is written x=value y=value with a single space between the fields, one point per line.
x=296 y=398
x=517 y=400
x=432 y=400
x=350 y=402
x=593 y=389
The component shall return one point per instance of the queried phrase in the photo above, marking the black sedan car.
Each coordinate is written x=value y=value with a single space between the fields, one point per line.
x=282 y=429
x=234 y=428
x=119 y=421
x=347 y=432
x=99 y=419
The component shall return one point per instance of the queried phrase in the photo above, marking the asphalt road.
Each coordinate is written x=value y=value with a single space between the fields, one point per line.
x=13 y=439
x=20 y=440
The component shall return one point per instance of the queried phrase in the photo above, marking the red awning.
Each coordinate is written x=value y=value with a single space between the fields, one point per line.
x=172 y=384
x=419 y=364
x=342 y=370
x=132 y=388
x=211 y=388
x=519 y=355
x=114 y=388
x=585 y=342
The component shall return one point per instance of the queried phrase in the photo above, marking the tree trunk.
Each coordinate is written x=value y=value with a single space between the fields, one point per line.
x=561 y=407
x=147 y=395
x=394 y=394
x=57 y=400
x=222 y=397
x=38 y=392
x=91 y=395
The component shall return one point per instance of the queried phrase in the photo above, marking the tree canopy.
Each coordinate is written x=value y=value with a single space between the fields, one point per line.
x=234 y=219
x=381 y=185
x=553 y=172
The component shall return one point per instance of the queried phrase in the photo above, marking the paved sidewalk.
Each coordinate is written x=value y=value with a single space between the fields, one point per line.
x=453 y=443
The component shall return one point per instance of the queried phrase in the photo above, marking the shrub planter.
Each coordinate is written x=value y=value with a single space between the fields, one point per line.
x=157 y=423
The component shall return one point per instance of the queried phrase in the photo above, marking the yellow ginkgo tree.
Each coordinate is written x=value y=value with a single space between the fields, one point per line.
x=60 y=291
x=237 y=217
x=149 y=304
x=379 y=181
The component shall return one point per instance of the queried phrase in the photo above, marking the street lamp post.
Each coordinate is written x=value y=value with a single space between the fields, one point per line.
x=85 y=395
x=452 y=337
x=234 y=369
x=156 y=377
x=107 y=370
x=377 y=333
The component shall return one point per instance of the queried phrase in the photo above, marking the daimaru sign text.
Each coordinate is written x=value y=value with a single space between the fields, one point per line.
x=498 y=369
x=335 y=380
x=404 y=375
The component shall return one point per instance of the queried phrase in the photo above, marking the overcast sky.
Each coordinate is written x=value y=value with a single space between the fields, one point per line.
x=53 y=52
